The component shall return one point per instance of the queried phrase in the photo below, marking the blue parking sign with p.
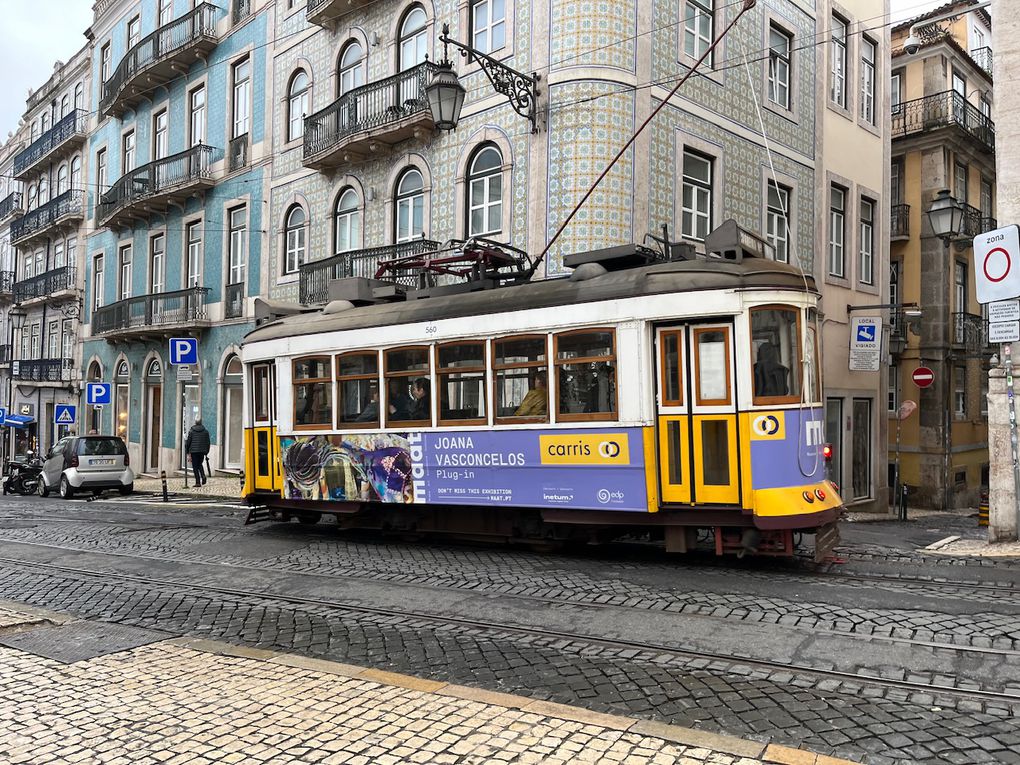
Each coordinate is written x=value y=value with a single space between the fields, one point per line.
x=183 y=350
x=98 y=394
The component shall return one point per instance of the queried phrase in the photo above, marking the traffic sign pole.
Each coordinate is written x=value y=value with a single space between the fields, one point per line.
x=1007 y=352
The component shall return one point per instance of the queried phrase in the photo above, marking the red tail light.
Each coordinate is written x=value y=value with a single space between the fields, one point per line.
x=127 y=460
x=827 y=452
x=74 y=460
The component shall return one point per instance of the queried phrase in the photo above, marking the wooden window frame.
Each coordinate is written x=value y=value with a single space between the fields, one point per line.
x=441 y=371
x=757 y=400
x=540 y=365
x=384 y=397
x=294 y=382
x=557 y=364
x=256 y=418
x=696 y=332
x=681 y=336
x=342 y=378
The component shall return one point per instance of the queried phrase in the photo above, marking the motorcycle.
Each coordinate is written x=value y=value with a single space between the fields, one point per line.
x=23 y=477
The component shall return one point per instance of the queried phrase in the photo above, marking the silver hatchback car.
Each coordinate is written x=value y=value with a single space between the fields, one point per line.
x=89 y=463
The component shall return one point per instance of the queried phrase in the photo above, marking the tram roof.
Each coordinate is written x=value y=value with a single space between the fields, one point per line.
x=660 y=278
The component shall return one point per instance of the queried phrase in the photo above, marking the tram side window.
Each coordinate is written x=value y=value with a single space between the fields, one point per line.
x=408 y=391
x=586 y=375
x=775 y=342
x=521 y=373
x=357 y=384
x=313 y=394
x=461 y=380
x=811 y=358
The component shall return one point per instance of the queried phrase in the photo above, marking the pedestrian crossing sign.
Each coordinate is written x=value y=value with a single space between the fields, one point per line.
x=65 y=414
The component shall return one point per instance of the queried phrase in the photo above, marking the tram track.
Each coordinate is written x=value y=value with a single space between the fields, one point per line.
x=719 y=661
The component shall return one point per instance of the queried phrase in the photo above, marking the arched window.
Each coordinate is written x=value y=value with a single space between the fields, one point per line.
x=94 y=414
x=62 y=179
x=33 y=197
x=347 y=222
x=79 y=96
x=295 y=239
x=297 y=104
x=485 y=192
x=76 y=173
x=352 y=69
x=233 y=396
x=120 y=414
x=413 y=38
x=65 y=105
x=154 y=371
x=44 y=190
x=410 y=218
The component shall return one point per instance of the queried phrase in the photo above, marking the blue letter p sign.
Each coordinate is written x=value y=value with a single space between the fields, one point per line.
x=183 y=350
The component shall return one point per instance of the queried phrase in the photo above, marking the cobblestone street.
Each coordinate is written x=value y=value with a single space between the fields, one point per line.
x=857 y=663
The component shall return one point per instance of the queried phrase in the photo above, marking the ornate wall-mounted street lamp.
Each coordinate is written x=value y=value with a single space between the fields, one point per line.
x=945 y=216
x=446 y=93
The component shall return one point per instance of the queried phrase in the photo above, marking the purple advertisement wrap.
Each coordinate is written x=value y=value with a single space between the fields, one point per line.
x=786 y=447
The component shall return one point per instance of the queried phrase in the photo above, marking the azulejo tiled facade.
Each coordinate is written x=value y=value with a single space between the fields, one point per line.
x=297 y=133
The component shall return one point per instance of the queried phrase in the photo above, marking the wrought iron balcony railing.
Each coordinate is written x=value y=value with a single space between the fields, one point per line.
x=941 y=110
x=233 y=301
x=158 y=58
x=970 y=333
x=11 y=205
x=69 y=132
x=237 y=153
x=165 y=310
x=386 y=111
x=49 y=283
x=975 y=222
x=983 y=58
x=324 y=13
x=242 y=10
x=42 y=370
x=62 y=208
x=5 y=354
x=6 y=283
x=899 y=221
x=174 y=176
x=316 y=276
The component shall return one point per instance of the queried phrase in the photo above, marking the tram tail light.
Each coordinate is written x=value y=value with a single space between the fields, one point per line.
x=827 y=452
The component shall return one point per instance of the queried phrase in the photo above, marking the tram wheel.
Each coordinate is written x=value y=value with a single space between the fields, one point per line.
x=309 y=519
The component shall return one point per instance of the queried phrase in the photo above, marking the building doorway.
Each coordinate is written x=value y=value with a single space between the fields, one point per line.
x=233 y=398
x=154 y=415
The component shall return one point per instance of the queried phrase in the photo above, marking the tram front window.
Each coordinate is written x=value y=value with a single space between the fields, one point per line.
x=775 y=335
x=586 y=375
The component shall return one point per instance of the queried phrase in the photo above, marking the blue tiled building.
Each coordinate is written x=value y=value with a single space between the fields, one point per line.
x=176 y=219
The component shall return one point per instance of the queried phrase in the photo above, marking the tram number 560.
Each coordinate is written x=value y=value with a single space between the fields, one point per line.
x=431 y=330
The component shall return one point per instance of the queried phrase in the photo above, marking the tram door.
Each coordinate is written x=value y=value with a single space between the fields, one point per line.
x=262 y=444
x=697 y=415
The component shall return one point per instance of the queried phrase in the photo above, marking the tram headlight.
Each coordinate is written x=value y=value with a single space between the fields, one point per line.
x=808 y=497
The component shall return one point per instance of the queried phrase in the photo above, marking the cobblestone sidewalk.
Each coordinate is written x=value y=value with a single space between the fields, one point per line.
x=220 y=487
x=204 y=703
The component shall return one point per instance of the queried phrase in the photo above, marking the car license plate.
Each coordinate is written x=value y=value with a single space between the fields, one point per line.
x=101 y=462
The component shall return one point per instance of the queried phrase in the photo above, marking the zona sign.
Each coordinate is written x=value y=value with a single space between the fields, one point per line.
x=923 y=377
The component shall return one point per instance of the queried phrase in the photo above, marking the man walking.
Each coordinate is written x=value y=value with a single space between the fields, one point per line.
x=196 y=445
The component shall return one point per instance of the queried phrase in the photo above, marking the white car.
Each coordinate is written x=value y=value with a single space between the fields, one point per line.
x=89 y=463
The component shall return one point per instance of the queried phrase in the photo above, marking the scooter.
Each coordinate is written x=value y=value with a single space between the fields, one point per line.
x=23 y=477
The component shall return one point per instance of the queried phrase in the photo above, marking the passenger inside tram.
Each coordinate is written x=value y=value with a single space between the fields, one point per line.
x=416 y=404
x=535 y=402
x=771 y=378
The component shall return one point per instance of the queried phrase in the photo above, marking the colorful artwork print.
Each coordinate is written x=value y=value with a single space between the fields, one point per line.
x=351 y=468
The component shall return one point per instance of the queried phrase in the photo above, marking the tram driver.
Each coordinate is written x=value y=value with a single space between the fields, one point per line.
x=771 y=377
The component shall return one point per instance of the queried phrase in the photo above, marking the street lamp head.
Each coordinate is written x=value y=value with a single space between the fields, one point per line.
x=18 y=319
x=446 y=97
x=945 y=216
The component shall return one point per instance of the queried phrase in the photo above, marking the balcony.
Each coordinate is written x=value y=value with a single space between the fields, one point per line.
x=5 y=355
x=11 y=206
x=159 y=58
x=42 y=370
x=325 y=13
x=151 y=186
x=948 y=109
x=233 y=301
x=237 y=153
x=64 y=208
x=367 y=118
x=970 y=334
x=160 y=314
x=68 y=134
x=899 y=223
x=975 y=222
x=983 y=58
x=49 y=284
x=6 y=285
x=316 y=276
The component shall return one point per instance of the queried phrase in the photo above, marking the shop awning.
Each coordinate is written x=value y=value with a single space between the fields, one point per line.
x=18 y=420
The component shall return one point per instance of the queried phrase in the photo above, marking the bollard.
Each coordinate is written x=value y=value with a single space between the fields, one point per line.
x=162 y=477
x=903 y=503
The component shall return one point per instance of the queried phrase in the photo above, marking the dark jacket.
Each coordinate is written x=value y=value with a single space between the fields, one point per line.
x=197 y=441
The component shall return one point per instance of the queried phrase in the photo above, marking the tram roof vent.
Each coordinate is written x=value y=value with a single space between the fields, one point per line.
x=360 y=291
x=731 y=242
x=617 y=258
x=271 y=310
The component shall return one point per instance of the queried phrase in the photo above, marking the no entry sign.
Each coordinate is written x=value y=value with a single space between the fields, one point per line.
x=923 y=377
x=997 y=264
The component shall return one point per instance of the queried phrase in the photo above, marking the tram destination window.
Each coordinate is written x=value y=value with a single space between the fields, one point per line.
x=313 y=394
x=357 y=384
x=408 y=387
x=521 y=373
x=461 y=380
x=775 y=347
x=586 y=375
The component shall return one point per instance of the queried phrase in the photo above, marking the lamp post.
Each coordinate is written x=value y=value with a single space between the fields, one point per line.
x=446 y=93
x=945 y=216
